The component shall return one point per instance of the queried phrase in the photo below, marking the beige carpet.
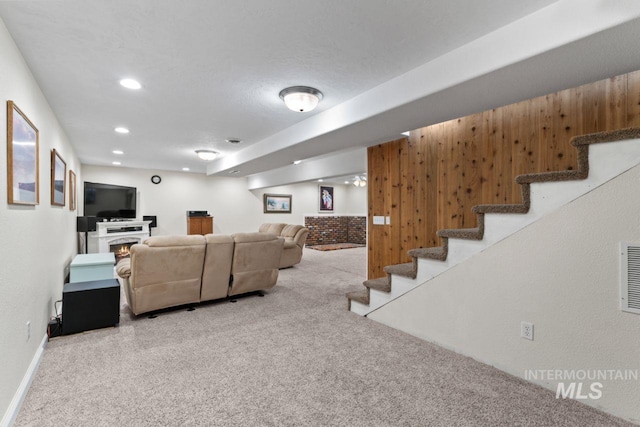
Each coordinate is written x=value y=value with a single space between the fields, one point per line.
x=335 y=246
x=293 y=358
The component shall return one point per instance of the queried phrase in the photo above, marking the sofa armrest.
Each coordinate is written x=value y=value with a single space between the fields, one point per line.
x=301 y=236
x=123 y=268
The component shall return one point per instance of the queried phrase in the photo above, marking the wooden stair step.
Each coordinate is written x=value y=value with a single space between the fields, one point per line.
x=439 y=253
x=382 y=284
x=405 y=270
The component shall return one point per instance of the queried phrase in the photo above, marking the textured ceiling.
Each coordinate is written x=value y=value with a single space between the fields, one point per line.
x=212 y=70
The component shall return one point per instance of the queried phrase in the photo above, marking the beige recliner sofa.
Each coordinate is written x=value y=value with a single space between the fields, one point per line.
x=294 y=236
x=168 y=271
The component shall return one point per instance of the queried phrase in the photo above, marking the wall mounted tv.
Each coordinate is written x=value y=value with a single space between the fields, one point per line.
x=109 y=201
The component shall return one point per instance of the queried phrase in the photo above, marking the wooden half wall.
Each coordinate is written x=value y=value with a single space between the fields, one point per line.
x=431 y=180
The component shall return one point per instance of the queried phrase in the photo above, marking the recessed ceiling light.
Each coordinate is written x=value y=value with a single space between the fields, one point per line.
x=320 y=180
x=207 y=154
x=130 y=84
x=407 y=133
x=121 y=130
x=116 y=163
x=297 y=162
x=185 y=169
x=346 y=182
x=233 y=140
x=118 y=152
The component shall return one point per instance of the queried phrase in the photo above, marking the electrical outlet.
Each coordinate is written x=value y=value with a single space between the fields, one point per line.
x=526 y=330
x=28 y=330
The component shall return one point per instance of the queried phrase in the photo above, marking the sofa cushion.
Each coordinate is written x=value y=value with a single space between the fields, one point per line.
x=217 y=267
x=274 y=228
x=289 y=243
x=253 y=237
x=166 y=241
x=290 y=230
x=256 y=257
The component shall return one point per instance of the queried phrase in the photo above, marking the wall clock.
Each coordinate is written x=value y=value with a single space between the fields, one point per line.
x=156 y=179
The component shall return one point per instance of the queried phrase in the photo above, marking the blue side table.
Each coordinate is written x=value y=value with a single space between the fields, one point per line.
x=87 y=267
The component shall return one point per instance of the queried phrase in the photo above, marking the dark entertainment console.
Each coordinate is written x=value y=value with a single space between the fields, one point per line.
x=90 y=305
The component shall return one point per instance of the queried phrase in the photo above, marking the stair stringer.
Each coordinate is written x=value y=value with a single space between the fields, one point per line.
x=606 y=161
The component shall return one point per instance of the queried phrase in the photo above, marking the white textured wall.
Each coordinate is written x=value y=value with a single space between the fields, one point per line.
x=37 y=243
x=560 y=273
x=234 y=208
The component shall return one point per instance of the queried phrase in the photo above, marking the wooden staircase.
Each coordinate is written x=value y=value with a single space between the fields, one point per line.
x=410 y=271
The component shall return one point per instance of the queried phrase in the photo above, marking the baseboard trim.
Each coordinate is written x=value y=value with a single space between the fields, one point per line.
x=12 y=412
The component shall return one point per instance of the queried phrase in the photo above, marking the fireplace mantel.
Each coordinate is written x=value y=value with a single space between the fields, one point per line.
x=112 y=232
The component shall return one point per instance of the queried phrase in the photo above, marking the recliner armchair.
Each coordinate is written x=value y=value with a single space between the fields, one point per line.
x=294 y=236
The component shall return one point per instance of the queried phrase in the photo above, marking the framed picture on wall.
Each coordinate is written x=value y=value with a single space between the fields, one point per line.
x=22 y=158
x=327 y=202
x=58 y=179
x=72 y=190
x=277 y=203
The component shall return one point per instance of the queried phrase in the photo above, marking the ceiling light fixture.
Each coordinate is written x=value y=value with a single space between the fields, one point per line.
x=233 y=172
x=116 y=163
x=297 y=162
x=207 y=154
x=130 y=84
x=233 y=140
x=360 y=181
x=185 y=169
x=121 y=130
x=320 y=180
x=301 y=98
x=118 y=152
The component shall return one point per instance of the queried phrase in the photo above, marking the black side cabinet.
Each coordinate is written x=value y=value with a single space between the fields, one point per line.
x=90 y=305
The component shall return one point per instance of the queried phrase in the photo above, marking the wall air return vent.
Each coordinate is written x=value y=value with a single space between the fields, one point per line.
x=630 y=277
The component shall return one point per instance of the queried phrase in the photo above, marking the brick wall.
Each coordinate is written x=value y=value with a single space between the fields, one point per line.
x=324 y=230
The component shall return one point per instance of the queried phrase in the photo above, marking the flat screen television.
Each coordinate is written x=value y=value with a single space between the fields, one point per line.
x=109 y=201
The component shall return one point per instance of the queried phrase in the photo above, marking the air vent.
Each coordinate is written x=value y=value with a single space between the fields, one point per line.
x=630 y=277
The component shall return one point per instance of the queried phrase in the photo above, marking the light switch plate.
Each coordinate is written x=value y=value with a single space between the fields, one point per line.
x=378 y=220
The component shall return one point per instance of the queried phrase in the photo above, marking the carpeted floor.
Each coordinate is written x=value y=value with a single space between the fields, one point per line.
x=335 y=246
x=293 y=358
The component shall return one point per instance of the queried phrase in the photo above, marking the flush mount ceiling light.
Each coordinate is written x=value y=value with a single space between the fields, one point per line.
x=207 y=154
x=360 y=181
x=233 y=140
x=301 y=98
x=130 y=84
x=119 y=152
x=121 y=130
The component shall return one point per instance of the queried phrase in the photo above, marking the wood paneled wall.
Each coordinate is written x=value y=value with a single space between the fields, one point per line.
x=431 y=180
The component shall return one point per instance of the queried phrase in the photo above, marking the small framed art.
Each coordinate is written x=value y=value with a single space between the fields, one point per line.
x=22 y=158
x=58 y=179
x=277 y=203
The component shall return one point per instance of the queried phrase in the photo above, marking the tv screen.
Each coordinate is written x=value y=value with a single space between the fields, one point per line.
x=109 y=201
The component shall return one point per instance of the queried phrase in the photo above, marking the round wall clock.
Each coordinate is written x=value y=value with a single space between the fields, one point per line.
x=156 y=179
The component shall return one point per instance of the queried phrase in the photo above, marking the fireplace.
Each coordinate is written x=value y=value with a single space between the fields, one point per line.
x=121 y=250
x=111 y=236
